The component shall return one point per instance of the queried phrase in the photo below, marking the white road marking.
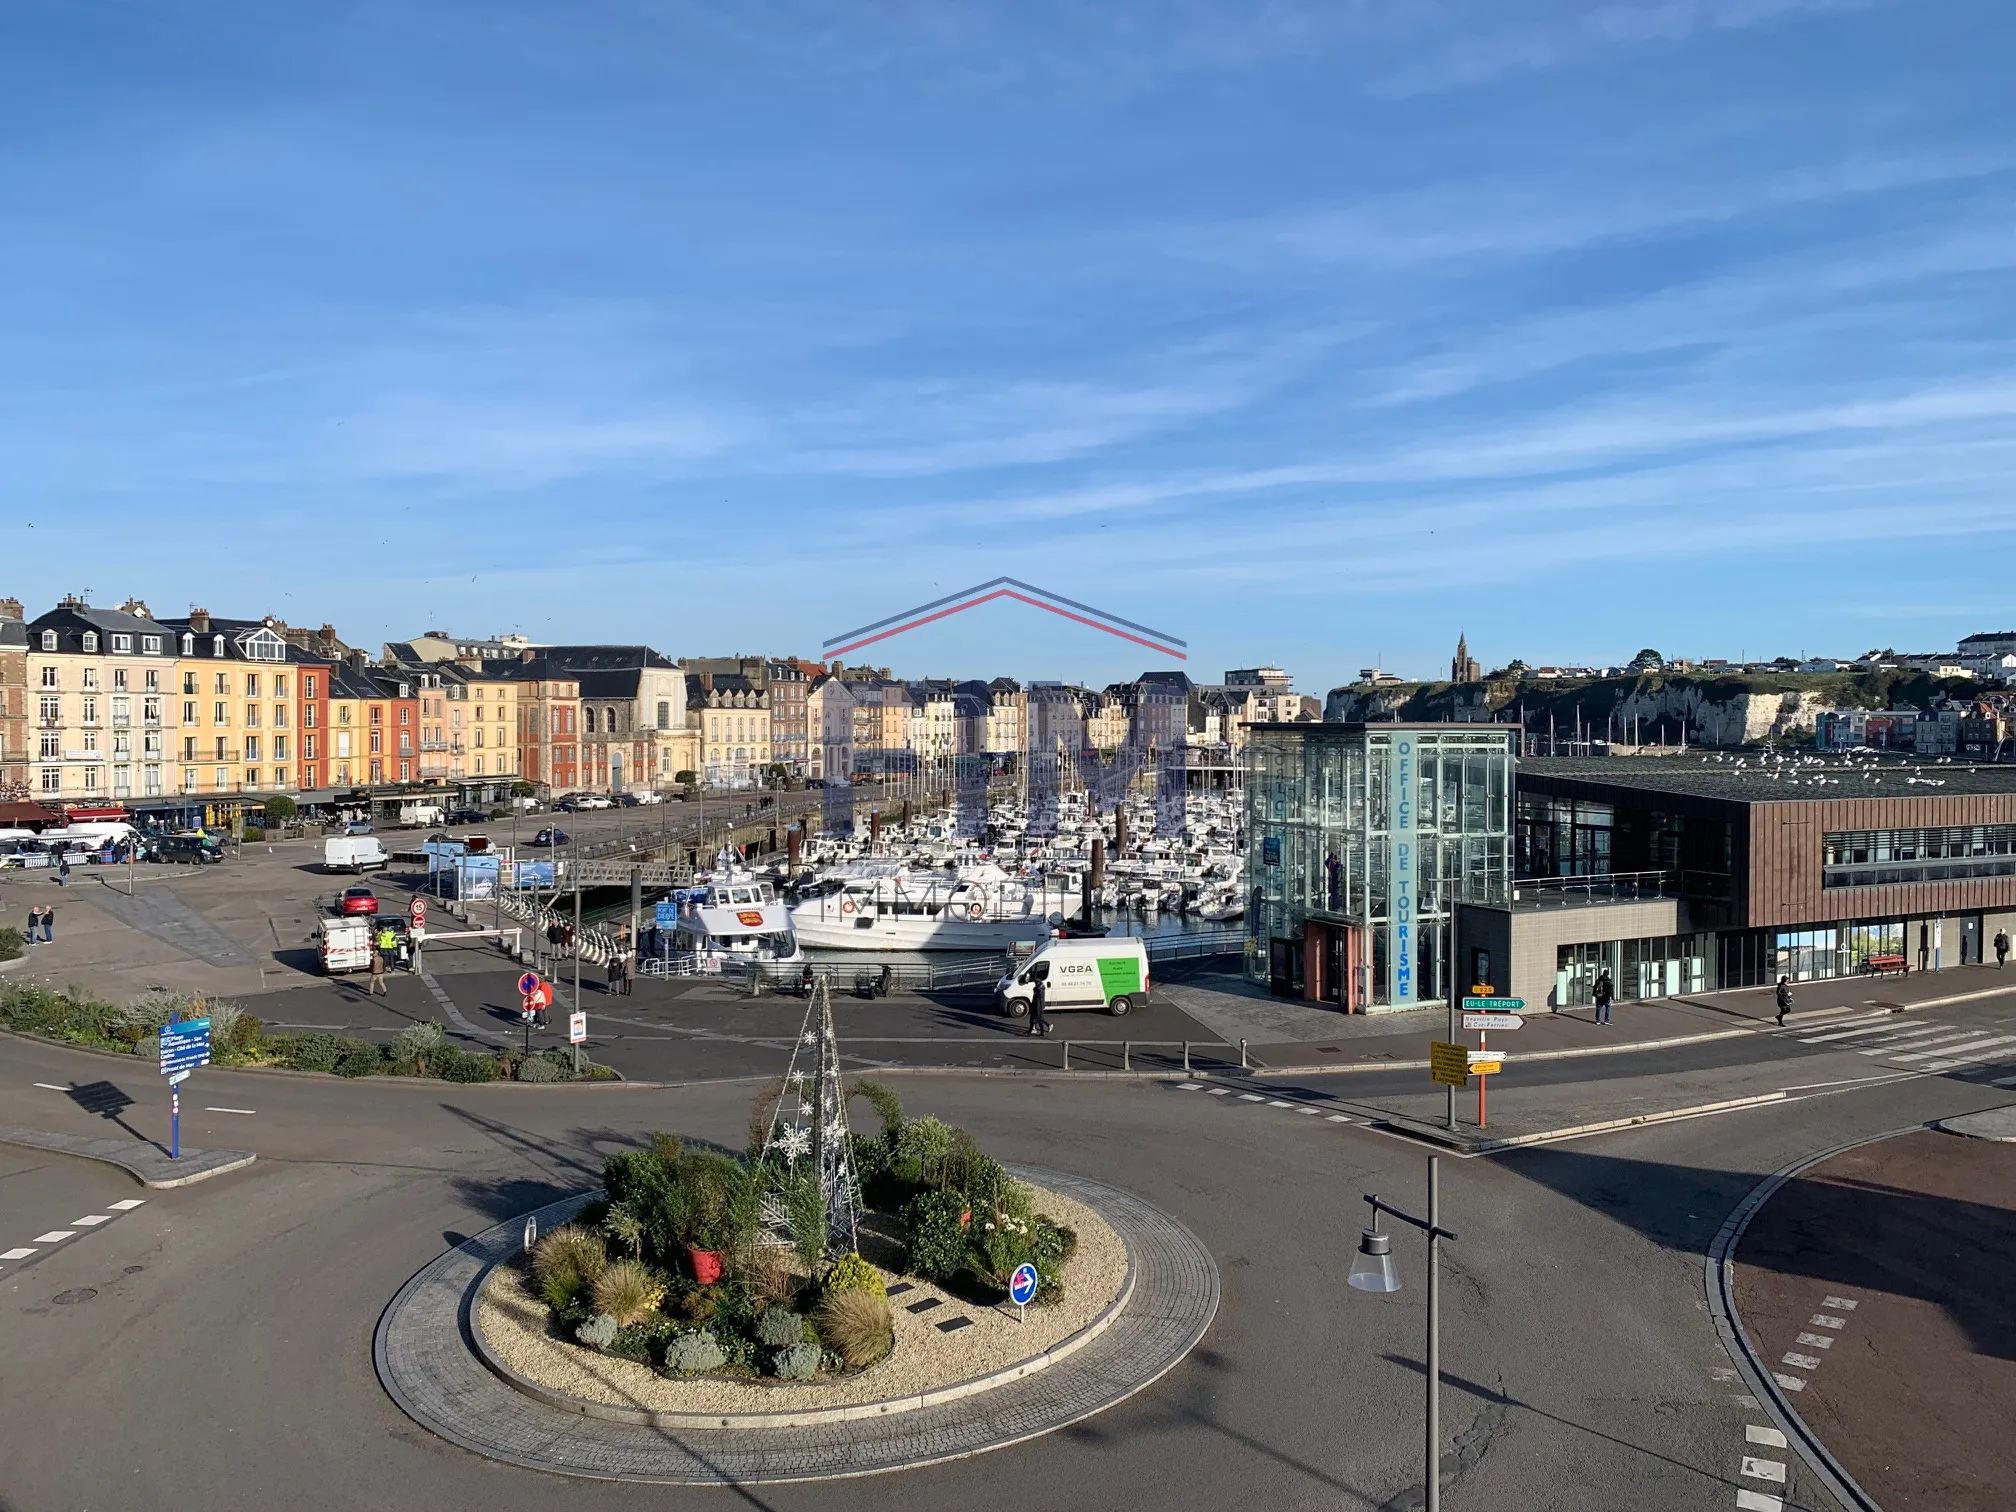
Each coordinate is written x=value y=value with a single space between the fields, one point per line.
x=1722 y=1373
x=1800 y=1362
x=55 y=1236
x=1967 y=1048
x=1840 y=1304
x=1221 y=1091
x=1251 y=1097
x=1312 y=1112
x=1790 y=1383
x=1999 y=1052
x=128 y=1204
x=1335 y=1118
x=1770 y=1438
x=1180 y=1087
x=17 y=1254
x=1873 y=1025
x=1918 y=1041
x=1821 y=1320
x=1757 y=1501
x=1815 y=1341
x=1275 y=1102
x=92 y=1222
x=1763 y=1469
x=1850 y=1081
x=51 y=1087
x=248 y=1112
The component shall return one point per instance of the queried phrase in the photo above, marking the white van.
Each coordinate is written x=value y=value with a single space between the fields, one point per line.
x=1103 y=973
x=357 y=853
x=346 y=944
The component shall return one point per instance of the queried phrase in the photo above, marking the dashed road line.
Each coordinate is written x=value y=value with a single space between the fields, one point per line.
x=55 y=1236
x=90 y=1222
x=1763 y=1469
x=245 y=1111
x=1758 y=1501
x=51 y=1087
x=17 y=1254
x=129 y=1203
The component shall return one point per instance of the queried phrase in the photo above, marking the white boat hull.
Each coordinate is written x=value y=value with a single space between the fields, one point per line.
x=827 y=928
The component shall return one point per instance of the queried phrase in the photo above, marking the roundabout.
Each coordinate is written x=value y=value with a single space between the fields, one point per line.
x=441 y=1360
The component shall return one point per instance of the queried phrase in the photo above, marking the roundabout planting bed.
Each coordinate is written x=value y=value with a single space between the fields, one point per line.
x=929 y=1362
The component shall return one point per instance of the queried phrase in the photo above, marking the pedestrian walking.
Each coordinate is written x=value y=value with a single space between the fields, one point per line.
x=1039 y=1021
x=2001 y=948
x=1601 y=994
x=378 y=987
x=1784 y=999
x=63 y=870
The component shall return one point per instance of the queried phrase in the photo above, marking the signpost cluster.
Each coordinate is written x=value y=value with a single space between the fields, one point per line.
x=185 y=1045
x=1452 y=1064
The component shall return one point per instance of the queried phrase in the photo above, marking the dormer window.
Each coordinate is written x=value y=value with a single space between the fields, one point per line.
x=90 y=640
x=122 y=644
x=48 y=640
x=216 y=645
x=150 y=645
x=188 y=644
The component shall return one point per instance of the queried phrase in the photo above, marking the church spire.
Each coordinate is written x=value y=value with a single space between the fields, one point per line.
x=1462 y=668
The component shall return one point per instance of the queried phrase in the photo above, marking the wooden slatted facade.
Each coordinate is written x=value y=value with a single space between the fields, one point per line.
x=1785 y=851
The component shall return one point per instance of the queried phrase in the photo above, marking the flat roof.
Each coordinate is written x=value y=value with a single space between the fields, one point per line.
x=1757 y=777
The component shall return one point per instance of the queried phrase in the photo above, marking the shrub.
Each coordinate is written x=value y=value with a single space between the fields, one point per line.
x=929 y=1142
x=871 y=1159
x=686 y=1198
x=411 y=1046
x=358 y=1059
x=253 y=832
x=599 y=1332
x=564 y=1261
x=233 y=1031
x=313 y=1052
x=1052 y=1242
x=628 y=1291
x=780 y=1326
x=537 y=1068
x=281 y=809
x=621 y=1225
x=855 y=1325
x=805 y=1210
x=852 y=1273
x=11 y=944
x=768 y=1275
x=887 y=1105
x=561 y=1061
x=800 y=1362
x=694 y=1351
x=937 y=1241
x=457 y=1065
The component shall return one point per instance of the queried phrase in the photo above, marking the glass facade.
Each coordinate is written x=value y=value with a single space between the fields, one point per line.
x=1867 y=858
x=1375 y=832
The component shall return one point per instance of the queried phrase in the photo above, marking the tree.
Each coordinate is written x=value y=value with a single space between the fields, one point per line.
x=686 y=778
x=280 y=810
x=1646 y=660
x=523 y=789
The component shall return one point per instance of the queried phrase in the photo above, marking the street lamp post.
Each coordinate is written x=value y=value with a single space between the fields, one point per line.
x=1373 y=1271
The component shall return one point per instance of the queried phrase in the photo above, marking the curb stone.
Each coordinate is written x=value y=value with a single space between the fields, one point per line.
x=424 y=1359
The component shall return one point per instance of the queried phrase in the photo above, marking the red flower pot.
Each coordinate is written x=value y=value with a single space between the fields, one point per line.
x=966 y=1218
x=706 y=1265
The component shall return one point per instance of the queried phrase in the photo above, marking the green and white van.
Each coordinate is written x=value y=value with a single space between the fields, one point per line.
x=1103 y=973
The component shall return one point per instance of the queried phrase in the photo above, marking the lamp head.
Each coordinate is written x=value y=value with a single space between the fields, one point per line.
x=1372 y=1268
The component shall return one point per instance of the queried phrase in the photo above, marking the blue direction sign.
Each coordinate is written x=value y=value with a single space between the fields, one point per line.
x=1493 y=1005
x=185 y=1045
x=1022 y=1285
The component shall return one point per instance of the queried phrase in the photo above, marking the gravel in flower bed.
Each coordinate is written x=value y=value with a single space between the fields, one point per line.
x=514 y=1325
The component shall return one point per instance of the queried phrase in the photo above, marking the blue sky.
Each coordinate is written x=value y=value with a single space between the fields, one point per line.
x=1311 y=334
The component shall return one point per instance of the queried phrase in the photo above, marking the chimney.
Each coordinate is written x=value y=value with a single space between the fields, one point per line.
x=136 y=607
x=10 y=609
x=199 y=621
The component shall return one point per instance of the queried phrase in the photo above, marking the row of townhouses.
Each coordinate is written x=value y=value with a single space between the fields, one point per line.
x=119 y=706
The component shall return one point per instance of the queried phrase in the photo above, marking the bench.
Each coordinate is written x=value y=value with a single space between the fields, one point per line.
x=1885 y=965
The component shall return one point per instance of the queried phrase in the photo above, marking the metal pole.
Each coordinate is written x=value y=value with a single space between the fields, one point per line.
x=1450 y=1116
x=175 y=1122
x=1434 y=1503
x=577 y=941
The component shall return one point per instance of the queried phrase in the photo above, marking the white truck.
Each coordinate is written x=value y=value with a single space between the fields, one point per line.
x=346 y=944
x=420 y=815
x=355 y=853
x=1101 y=973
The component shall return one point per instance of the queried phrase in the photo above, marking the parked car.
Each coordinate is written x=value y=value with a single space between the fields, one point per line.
x=592 y=801
x=467 y=816
x=626 y=800
x=185 y=850
x=547 y=837
x=358 y=900
x=357 y=827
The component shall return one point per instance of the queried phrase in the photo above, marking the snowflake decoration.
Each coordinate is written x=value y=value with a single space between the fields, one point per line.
x=808 y=1038
x=795 y=1143
x=797 y=1078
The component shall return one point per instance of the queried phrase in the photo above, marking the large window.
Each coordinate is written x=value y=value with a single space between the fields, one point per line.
x=1871 y=858
x=1562 y=837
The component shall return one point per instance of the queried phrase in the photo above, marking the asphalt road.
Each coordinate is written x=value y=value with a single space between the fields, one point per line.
x=232 y=1369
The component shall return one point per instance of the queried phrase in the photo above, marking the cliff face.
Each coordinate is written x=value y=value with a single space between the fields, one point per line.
x=1712 y=711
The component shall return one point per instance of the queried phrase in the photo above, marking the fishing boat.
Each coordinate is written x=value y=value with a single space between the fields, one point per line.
x=886 y=906
x=734 y=918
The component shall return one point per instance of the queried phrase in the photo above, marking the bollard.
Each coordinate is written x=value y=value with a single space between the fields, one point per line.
x=1126 y=1055
x=1186 y=1057
x=1242 y=1057
x=1067 y=1055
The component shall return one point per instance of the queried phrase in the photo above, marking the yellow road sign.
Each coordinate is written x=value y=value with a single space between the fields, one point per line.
x=1449 y=1064
x=1486 y=1067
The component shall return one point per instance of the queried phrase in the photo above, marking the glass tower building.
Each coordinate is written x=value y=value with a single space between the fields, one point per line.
x=1362 y=842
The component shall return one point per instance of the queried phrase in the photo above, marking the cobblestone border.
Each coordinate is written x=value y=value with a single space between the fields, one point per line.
x=426 y=1358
